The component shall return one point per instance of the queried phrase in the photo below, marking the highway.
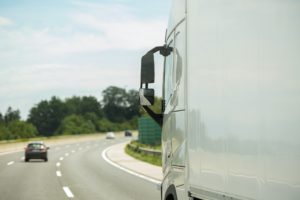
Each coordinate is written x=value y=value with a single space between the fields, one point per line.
x=74 y=171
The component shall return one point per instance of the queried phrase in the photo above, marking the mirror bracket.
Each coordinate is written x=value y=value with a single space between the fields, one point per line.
x=157 y=117
x=163 y=50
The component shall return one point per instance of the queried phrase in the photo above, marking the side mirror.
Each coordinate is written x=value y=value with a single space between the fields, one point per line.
x=146 y=97
x=147 y=68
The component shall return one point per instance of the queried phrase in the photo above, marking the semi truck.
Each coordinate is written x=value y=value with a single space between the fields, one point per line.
x=230 y=112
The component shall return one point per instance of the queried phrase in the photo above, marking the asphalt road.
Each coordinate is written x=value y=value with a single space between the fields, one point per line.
x=74 y=171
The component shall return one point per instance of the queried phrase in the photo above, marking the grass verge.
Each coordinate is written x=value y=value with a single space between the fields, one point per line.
x=152 y=159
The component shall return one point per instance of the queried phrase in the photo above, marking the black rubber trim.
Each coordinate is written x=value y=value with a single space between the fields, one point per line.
x=171 y=191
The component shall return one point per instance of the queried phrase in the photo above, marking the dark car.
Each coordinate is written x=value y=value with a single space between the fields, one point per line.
x=36 y=150
x=127 y=133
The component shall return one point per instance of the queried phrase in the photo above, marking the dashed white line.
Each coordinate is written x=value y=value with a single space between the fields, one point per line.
x=57 y=164
x=11 y=162
x=73 y=151
x=61 y=158
x=66 y=154
x=58 y=173
x=68 y=192
x=22 y=158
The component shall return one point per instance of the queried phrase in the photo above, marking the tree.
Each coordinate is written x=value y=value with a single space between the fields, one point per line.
x=82 y=105
x=118 y=105
x=114 y=101
x=1 y=118
x=47 y=116
x=133 y=109
x=74 y=125
x=11 y=115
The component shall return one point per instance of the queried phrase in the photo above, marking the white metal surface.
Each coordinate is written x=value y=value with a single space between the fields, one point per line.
x=244 y=97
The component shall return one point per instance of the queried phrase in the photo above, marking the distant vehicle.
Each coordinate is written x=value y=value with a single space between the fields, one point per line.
x=127 y=134
x=36 y=150
x=230 y=113
x=110 y=135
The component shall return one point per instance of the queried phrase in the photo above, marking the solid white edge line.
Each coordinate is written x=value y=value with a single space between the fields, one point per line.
x=68 y=192
x=104 y=156
x=10 y=163
x=58 y=173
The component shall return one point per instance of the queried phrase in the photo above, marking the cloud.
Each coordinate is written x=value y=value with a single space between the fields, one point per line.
x=44 y=77
x=109 y=27
x=125 y=33
x=5 y=21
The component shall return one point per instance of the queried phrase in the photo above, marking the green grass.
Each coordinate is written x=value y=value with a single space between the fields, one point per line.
x=154 y=160
x=155 y=147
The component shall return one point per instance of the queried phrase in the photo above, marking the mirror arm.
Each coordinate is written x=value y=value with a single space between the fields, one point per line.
x=163 y=50
x=157 y=117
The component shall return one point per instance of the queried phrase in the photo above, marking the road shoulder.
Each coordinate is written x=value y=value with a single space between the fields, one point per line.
x=117 y=155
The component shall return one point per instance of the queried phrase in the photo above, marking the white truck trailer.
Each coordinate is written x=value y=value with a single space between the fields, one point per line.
x=231 y=100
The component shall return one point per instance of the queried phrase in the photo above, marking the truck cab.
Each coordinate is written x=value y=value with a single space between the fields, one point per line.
x=230 y=112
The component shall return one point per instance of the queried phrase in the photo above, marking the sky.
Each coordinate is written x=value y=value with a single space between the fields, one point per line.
x=74 y=47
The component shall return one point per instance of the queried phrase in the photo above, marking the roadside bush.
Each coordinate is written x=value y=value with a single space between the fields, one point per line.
x=20 y=129
x=4 y=135
x=74 y=125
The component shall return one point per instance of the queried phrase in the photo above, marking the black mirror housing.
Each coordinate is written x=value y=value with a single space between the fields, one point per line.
x=147 y=68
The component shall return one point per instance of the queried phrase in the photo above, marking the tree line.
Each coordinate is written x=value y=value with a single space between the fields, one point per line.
x=118 y=110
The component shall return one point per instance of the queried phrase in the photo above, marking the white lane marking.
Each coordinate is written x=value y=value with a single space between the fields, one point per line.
x=61 y=158
x=104 y=156
x=10 y=152
x=11 y=162
x=22 y=158
x=73 y=151
x=66 y=154
x=58 y=173
x=68 y=192
x=57 y=164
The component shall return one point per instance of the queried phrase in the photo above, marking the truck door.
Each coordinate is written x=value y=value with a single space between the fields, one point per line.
x=174 y=96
